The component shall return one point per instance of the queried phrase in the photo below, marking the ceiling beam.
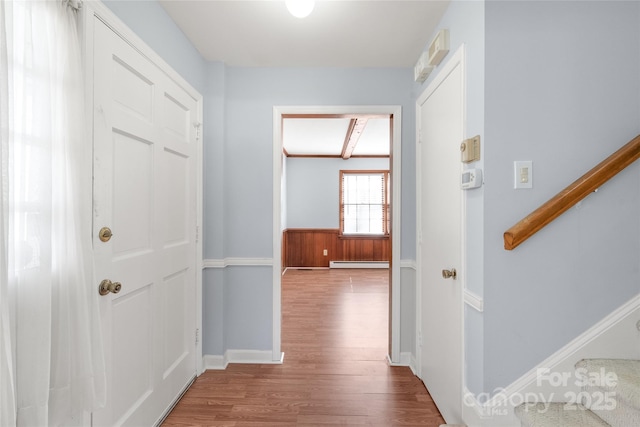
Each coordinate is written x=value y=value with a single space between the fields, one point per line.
x=356 y=127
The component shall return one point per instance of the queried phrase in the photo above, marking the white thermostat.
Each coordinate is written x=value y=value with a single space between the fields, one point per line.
x=471 y=178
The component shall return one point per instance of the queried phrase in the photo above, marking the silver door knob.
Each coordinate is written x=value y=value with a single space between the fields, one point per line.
x=107 y=286
x=449 y=274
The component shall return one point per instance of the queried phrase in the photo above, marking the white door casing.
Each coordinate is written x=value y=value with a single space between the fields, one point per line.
x=440 y=118
x=145 y=191
x=396 y=156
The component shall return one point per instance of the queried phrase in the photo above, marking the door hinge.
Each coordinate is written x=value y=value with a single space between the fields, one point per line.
x=197 y=126
x=197 y=233
x=197 y=336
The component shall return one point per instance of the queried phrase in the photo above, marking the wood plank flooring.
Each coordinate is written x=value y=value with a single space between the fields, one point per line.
x=334 y=336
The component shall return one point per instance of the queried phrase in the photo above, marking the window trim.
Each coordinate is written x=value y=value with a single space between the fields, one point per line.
x=386 y=214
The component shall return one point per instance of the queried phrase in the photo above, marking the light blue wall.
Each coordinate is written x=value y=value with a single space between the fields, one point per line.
x=248 y=308
x=153 y=25
x=556 y=83
x=408 y=311
x=313 y=189
x=251 y=95
x=213 y=313
x=214 y=134
x=213 y=280
x=562 y=90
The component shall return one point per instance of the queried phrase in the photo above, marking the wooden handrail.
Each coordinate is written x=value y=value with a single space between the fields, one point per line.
x=578 y=190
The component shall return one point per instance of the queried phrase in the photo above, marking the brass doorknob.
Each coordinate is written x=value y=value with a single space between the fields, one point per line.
x=107 y=286
x=449 y=274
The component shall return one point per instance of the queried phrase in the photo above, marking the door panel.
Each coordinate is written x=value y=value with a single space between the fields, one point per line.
x=132 y=194
x=132 y=377
x=176 y=118
x=176 y=203
x=145 y=191
x=135 y=91
x=175 y=344
x=441 y=127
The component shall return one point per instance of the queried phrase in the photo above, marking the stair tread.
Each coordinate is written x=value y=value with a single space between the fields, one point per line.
x=625 y=384
x=554 y=414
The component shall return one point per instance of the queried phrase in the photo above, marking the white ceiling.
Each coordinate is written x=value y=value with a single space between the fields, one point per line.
x=338 y=33
x=326 y=137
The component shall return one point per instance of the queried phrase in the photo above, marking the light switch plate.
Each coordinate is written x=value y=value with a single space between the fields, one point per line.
x=522 y=174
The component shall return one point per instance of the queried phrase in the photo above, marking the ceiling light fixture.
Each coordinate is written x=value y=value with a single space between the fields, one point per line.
x=300 y=8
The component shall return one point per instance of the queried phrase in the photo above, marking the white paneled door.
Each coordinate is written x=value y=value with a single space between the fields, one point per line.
x=145 y=193
x=440 y=117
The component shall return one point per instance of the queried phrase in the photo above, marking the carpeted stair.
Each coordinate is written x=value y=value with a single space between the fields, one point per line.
x=610 y=397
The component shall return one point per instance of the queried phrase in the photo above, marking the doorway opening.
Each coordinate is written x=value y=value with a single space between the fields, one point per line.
x=393 y=113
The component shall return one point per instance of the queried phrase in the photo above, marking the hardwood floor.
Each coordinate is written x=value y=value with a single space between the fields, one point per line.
x=334 y=336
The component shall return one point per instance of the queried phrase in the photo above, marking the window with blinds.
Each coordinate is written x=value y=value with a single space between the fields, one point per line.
x=364 y=202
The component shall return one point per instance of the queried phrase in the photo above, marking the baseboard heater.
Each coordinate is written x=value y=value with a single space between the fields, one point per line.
x=358 y=264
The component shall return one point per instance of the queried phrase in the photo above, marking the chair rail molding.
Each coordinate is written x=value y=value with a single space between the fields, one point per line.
x=473 y=300
x=232 y=262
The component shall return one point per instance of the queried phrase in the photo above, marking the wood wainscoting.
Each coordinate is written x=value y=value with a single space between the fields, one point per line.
x=304 y=247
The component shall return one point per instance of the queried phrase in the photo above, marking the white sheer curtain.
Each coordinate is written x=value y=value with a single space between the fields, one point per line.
x=51 y=355
x=7 y=384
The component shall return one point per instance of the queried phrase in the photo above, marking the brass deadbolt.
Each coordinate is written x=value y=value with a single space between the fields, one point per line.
x=105 y=234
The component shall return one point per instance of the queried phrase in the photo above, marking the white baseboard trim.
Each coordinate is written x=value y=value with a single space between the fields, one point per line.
x=615 y=336
x=473 y=300
x=405 y=360
x=414 y=365
x=475 y=414
x=358 y=264
x=230 y=262
x=593 y=333
x=227 y=262
x=214 y=362
x=262 y=357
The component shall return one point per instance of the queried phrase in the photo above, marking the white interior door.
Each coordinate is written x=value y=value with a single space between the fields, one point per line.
x=145 y=192
x=440 y=115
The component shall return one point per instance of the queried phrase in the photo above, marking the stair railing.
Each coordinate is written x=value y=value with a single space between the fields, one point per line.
x=567 y=198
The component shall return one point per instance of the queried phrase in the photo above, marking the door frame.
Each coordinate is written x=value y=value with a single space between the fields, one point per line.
x=396 y=168
x=98 y=10
x=457 y=59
